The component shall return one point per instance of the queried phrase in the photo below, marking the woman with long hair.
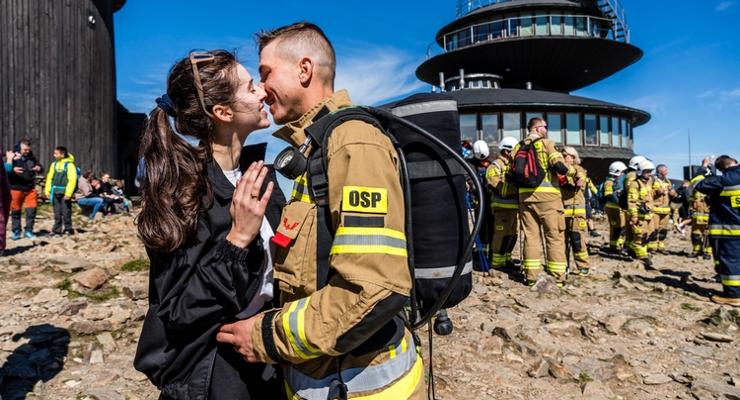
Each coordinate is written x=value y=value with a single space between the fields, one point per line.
x=202 y=222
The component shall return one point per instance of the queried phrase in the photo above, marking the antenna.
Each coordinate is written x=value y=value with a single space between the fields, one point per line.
x=691 y=167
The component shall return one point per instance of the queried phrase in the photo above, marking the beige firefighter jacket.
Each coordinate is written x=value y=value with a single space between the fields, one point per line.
x=640 y=198
x=574 y=198
x=348 y=324
x=662 y=200
x=549 y=157
x=504 y=194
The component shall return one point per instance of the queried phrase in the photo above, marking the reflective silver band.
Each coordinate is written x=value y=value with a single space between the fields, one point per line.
x=441 y=272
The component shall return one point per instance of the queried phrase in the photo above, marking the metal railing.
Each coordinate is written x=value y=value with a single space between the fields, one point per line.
x=560 y=25
x=465 y=7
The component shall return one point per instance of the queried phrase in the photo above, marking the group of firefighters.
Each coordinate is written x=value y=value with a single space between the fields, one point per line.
x=637 y=201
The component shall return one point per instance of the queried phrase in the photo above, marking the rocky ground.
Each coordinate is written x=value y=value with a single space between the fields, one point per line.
x=71 y=309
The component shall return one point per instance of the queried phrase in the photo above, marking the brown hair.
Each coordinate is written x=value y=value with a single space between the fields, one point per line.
x=307 y=36
x=724 y=162
x=533 y=122
x=175 y=190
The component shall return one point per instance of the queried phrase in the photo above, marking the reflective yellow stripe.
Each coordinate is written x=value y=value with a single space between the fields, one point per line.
x=662 y=210
x=532 y=264
x=575 y=211
x=359 y=240
x=613 y=205
x=557 y=266
x=300 y=190
x=724 y=232
x=293 y=326
x=540 y=189
x=730 y=280
x=729 y=193
x=508 y=206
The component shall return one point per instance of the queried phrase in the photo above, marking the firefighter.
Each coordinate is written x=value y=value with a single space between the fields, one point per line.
x=640 y=210
x=612 y=191
x=574 y=204
x=338 y=332
x=699 y=222
x=724 y=225
x=627 y=177
x=504 y=205
x=662 y=187
x=541 y=207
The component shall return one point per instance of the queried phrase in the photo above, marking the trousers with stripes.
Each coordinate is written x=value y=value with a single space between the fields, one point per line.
x=576 y=228
x=505 y=226
x=727 y=263
x=544 y=218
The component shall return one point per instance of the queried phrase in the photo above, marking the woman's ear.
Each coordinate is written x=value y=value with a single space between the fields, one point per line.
x=223 y=113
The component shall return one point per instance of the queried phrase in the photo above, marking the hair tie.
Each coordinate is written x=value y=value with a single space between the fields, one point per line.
x=165 y=103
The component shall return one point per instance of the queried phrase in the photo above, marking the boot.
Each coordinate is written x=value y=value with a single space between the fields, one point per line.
x=648 y=262
x=730 y=301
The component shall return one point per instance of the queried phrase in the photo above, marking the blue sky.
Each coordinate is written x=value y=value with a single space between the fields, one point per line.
x=689 y=77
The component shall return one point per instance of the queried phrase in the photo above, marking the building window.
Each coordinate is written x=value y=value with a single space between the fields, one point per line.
x=625 y=138
x=498 y=29
x=604 y=130
x=589 y=128
x=632 y=137
x=514 y=27
x=469 y=127
x=541 y=25
x=556 y=25
x=554 y=127
x=481 y=32
x=569 y=26
x=615 y=131
x=512 y=125
x=581 y=28
x=531 y=115
x=489 y=125
x=526 y=28
x=573 y=127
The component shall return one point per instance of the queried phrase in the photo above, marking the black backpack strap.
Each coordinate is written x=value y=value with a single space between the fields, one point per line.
x=318 y=181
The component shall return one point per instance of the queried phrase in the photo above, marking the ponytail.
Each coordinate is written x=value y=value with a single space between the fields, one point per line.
x=175 y=188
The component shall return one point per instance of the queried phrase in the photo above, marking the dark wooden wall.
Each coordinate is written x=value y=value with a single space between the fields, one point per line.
x=57 y=79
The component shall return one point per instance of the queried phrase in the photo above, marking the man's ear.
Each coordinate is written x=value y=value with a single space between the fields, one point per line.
x=306 y=70
x=223 y=113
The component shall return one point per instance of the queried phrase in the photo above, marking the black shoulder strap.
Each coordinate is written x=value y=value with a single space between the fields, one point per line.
x=318 y=181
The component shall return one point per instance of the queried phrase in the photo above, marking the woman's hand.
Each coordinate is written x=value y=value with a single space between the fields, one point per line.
x=247 y=209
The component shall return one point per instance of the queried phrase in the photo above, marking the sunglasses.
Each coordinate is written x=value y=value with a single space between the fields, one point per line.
x=195 y=59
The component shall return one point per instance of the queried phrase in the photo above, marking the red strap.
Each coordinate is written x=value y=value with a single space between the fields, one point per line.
x=281 y=240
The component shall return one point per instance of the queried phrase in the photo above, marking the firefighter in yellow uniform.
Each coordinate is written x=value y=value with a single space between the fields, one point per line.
x=662 y=188
x=338 y=332
x=640 y=210
x=699 y=222
x=628 y=177
x=614 y=213
x=574 y=204
x=541 y=208
x=504 y=205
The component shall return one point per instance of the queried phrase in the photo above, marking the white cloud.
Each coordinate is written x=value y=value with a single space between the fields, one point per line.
x=719 y=99
x=723 y=5
x=374 y=73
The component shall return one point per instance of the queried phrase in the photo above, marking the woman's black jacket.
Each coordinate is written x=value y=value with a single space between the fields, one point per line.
x=192 y=291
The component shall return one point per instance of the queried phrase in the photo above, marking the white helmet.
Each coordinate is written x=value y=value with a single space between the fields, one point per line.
x=481 y=150
x=616 y=168
x=507 y=143
x=635 y=162
x=645 y=165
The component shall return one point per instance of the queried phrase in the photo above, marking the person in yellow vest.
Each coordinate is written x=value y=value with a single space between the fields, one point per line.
x=662 y=188
x=574 y=203
x=612 y=191
x=699 y=222
x=504 y=205
x=541 y=207
x=640 y=210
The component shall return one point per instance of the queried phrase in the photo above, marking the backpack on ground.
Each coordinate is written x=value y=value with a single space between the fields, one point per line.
x=527 y=170
x=424 y=128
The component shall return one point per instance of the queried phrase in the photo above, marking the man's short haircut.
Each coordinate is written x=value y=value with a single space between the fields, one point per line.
x=62 y=150
x=661 y=166
x=25 y=141
x=304 y=39
x=534 y=121
x=723 y=162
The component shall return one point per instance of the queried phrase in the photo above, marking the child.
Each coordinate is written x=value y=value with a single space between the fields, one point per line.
x=117 y=190
x=61 y=183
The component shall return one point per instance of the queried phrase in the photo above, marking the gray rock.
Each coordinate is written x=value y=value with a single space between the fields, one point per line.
x=597 y=390
x=47 y=295
x=717 y=337
x=656 y=379
x=96 y=357
x=540 y=369
x=639 y=327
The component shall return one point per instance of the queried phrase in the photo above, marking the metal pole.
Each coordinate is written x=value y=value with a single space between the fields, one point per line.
x=691 y=168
